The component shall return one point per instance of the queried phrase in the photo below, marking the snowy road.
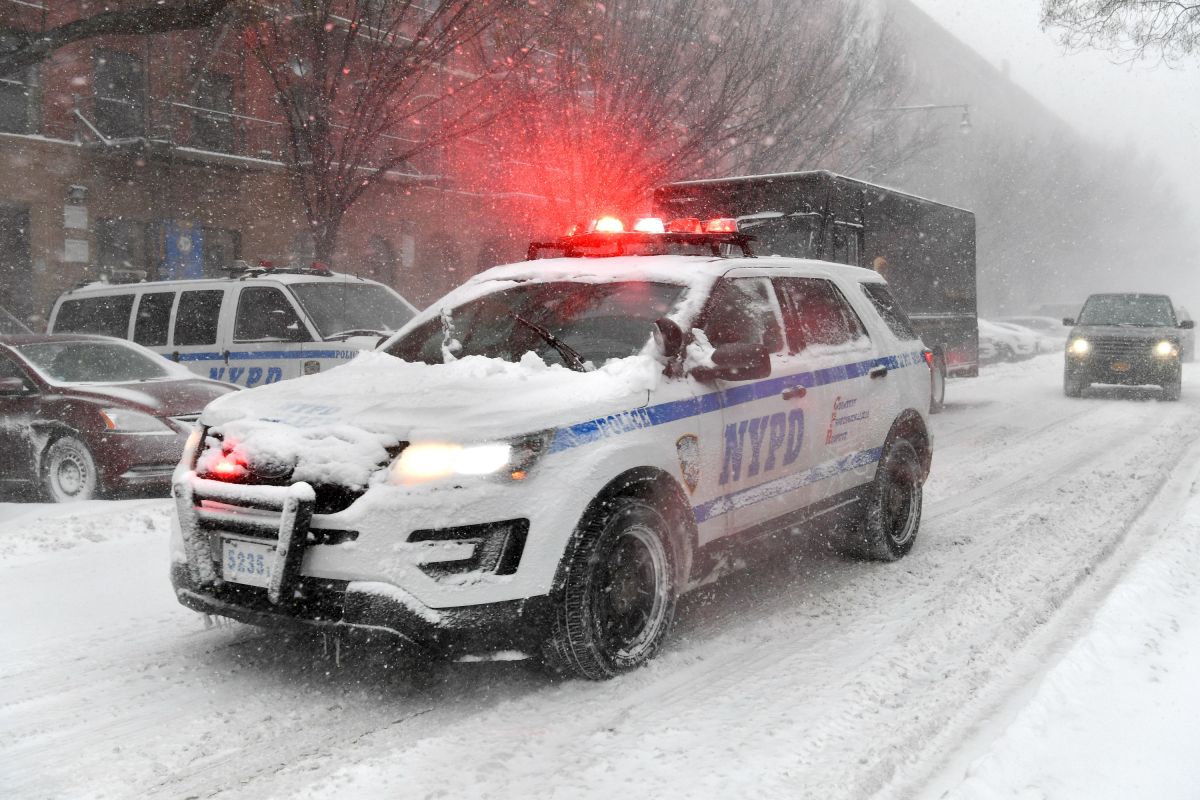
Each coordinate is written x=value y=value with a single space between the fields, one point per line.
x=814 y=676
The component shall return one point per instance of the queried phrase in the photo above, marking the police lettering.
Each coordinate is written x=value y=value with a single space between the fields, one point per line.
x=782 y=434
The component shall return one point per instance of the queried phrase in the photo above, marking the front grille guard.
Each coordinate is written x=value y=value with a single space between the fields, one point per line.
x=295 y=504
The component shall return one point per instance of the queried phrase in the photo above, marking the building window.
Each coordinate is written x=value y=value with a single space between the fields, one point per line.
x=212 y=123
x=18 y=109
x=120 y=94
x=121 y=245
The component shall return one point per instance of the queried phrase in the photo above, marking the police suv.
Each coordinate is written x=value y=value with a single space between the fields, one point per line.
x=543 y=461
x=258 y=326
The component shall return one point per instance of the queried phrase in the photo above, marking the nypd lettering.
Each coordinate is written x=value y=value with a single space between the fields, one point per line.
x=253 y=376
x=774 y=440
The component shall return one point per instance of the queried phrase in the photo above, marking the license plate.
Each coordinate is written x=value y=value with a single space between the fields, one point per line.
x=247 y=562
x=1120 y=366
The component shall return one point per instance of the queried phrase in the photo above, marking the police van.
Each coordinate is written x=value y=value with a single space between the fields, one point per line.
x=545 y=460
x=256 y=327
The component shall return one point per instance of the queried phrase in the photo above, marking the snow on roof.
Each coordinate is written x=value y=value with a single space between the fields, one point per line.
x=278 y=276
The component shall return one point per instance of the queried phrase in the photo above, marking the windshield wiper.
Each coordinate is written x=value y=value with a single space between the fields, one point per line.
x=568 y=353
x=354 y=332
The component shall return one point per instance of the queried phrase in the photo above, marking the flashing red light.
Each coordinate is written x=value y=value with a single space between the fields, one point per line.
x=320 y=266
x=684 y=225
x=266 y=264
x=229 y=467
x=721 y=225
x=929 y=358
x=608 y=225
x=574 y=230
x=650 y=225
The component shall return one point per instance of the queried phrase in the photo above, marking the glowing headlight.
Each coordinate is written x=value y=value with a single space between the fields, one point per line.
x=125 y=420
x=429 y=461
x=1080 y=347
x=1164 y=348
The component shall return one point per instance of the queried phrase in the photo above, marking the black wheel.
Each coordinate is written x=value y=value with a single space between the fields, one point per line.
x=937 y=384
x=1073 y=386
x=69 y=472
x=618 y=599
x=893 y=513
x=1173 y=388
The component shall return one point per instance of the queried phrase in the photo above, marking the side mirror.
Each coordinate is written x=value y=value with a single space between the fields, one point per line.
x=1068 y=321
x=668 y=337
x=1187 y=324
x=13 y=387
x=736 y=362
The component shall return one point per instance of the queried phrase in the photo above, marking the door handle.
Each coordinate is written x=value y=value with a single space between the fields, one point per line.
x=878 y=372
x=225 y=355
x=794 y=393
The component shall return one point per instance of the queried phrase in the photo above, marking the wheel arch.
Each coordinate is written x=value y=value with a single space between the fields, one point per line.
x=909 y=424
x=644 y=483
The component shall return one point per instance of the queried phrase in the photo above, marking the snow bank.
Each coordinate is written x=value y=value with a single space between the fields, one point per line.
x=32 y=530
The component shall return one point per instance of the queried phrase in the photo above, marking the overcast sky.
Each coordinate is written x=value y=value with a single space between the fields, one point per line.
x=1156 y=107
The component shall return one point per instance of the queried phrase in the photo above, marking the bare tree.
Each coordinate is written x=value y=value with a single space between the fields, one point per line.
x=368 y=85
x=1133 y=29
x=639 y=92
x=22 y=48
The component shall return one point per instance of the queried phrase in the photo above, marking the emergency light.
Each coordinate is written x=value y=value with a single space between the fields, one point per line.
x=609 y=224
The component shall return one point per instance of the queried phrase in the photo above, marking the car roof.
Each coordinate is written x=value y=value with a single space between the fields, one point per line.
x=682 y=269
x=275 y=276
x=19 y=339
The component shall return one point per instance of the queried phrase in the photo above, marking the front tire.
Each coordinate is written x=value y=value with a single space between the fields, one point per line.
x=1073 y=386
x=69 y=472
x=618 y=599
x=893 y=514
x=1173 y=388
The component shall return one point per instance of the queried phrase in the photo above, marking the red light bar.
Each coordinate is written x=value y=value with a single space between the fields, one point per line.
x=685 y=225
x=608 y=225
x=650 y=225
x=722 y=225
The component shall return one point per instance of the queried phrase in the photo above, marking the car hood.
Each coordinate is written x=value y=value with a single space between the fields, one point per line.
x=1125 y=332
x=170 y=398
x=337 y=426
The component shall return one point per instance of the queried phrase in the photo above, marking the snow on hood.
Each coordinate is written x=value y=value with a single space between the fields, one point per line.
x=335 y=427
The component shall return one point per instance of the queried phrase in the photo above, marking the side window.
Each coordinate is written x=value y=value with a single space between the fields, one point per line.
x=890 y=311
x=816 y=313
x=153 y=320
x=742 y=311
x=106 y=316
x=197 y=317
x=265 y=314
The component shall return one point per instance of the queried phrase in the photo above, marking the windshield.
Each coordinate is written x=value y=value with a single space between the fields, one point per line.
x=599 y=321
x=93 y=362
x=338 y=309
x=1140 y=310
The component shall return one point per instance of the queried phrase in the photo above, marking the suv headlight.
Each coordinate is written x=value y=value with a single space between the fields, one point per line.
x=1080 y=347
x=126 y=420
x=1165 y=349
x=422 y=462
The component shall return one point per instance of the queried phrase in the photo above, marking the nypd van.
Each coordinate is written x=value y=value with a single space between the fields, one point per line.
x=545 y=460
x=258 y=326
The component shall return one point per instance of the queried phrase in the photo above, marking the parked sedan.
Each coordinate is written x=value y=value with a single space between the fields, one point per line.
x=84 y=415
x=1001 y=341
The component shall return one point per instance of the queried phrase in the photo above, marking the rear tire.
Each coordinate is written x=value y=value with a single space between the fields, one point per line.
x=893 y=514
x=937 y=384
x=69 y=472
x=617 y=603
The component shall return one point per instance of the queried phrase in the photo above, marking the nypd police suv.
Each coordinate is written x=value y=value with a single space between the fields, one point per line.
x=547 y=458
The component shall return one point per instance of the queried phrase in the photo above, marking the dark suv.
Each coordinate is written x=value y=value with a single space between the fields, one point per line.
x=1130 y=339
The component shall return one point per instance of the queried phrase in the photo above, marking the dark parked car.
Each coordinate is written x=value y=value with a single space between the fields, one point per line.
x=1130 y=339
x=85 y=415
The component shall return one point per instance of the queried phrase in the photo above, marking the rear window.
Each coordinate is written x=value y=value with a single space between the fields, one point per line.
x=106 y=316
x=891 y=312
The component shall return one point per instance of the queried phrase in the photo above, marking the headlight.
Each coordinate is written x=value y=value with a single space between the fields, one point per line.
x=1164 y=349
x=1080 y=347
x=125 y=420
x=429 y=461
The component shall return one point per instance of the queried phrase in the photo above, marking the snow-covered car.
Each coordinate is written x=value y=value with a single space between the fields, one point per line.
x=1000 y=341
x=258 y=326
x=1050 y=330
x=84 y=415
x=547 y=458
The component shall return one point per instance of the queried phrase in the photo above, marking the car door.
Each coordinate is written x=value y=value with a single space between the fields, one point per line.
x=195 y=332
x=18 y=412
x=763 y=421
x=848 y=383
x=269 y=337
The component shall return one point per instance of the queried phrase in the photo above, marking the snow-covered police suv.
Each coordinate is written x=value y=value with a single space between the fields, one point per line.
x=547 y=458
